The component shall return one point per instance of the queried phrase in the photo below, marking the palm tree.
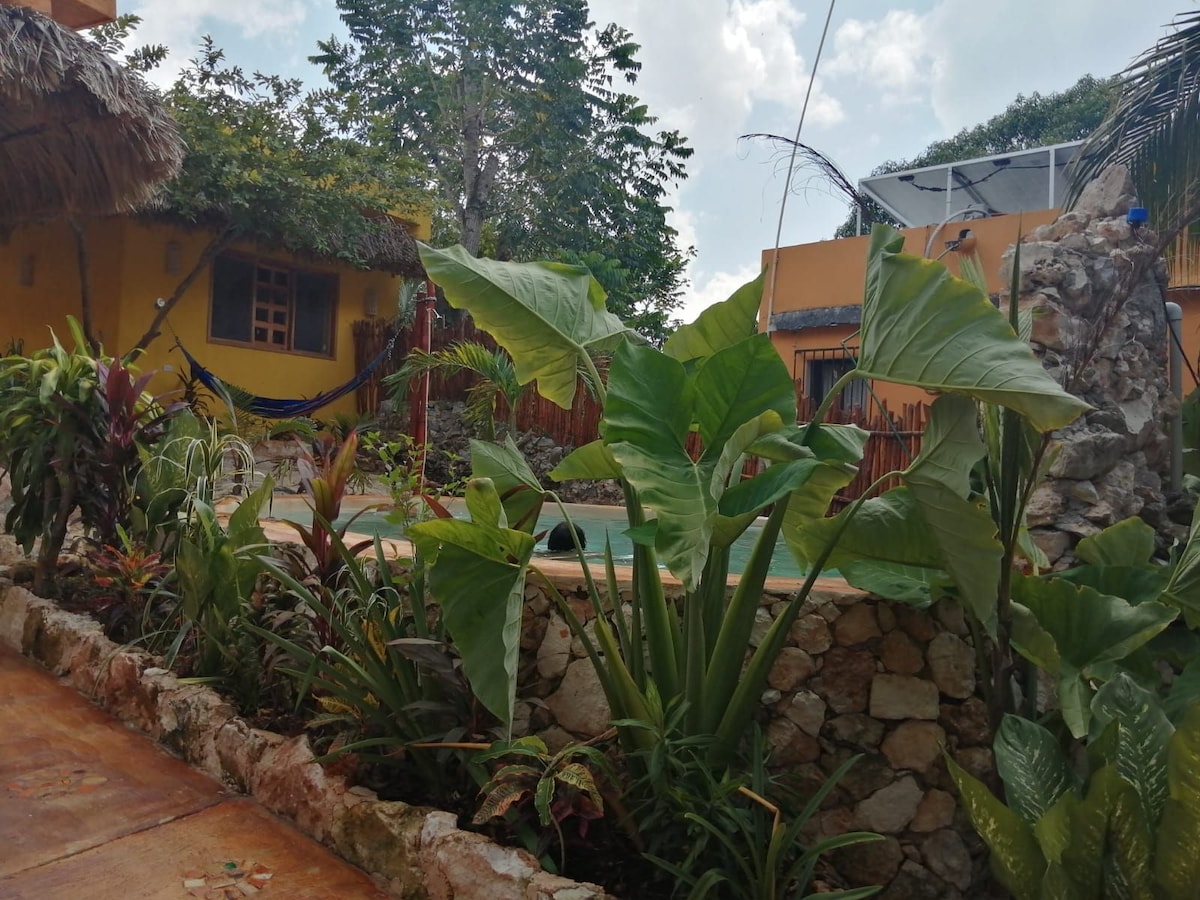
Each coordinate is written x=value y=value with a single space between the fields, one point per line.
x=1154 y=130
x=497 y=378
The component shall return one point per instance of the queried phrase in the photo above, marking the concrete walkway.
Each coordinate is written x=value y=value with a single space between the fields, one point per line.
x=91 y=810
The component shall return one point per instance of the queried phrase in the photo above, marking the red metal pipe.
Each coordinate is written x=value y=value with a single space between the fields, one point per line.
x=419 y=396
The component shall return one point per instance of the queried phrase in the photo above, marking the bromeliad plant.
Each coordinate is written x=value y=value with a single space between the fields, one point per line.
x=71 y=427
x=920 y=327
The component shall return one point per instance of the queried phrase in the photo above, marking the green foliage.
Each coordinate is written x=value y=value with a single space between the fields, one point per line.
x=1152 y=129
x=1125 y=829
x=733 y=389
x=1038 y=120
x=215 y=571
x=477 y=573
x=270 y=164
x=390 y=682
x=721 y=836
x=497 y=380
x=556 y=787
x=73 y=426
x=535 y=150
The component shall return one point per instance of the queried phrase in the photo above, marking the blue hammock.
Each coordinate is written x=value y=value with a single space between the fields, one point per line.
x=272 y=408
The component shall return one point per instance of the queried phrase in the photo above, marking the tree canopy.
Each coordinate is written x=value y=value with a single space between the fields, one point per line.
x=271 y=164
x=533 y=145
x=1035 y=121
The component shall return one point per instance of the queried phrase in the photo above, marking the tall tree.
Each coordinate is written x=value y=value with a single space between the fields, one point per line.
x=269 y=163
x=533 y=145
x=1038 y=120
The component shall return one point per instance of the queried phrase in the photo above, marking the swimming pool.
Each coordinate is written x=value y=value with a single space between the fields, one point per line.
x=596 y=522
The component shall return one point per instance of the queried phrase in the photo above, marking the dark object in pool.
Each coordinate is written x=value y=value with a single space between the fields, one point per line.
x=560 y=538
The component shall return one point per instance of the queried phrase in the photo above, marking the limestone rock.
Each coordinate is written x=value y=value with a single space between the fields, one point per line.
x=789 y=745
x=952 y=666
x=844 y=681
x=856 y=625
x=1109 y=195
x=868 y=864
x=811 y=634
x=915 y=882
x=968 y=721
x=903 y=697
x=856 y=729
x=916 y=623
x=935 y=811
x=807 y=710
x=890 y=809
x=900 y=654
x=947 y=857
x=579 y=704
x=555 y=651
x=792 y=668
x=914 y=745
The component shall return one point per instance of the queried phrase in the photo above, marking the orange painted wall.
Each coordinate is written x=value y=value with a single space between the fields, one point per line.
x=129 y=274
x=832 y=273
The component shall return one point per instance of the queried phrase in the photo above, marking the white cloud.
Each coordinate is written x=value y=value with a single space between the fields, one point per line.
x=710 y=289
x=180 y=25
x=705 y=71
x=892 y=53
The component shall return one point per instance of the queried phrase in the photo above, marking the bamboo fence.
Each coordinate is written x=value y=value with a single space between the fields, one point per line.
x=895 y=437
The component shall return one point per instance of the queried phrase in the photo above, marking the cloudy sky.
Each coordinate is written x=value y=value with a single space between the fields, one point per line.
x=893 y=77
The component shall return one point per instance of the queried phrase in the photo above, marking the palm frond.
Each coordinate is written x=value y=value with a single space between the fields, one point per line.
x=1154 y=130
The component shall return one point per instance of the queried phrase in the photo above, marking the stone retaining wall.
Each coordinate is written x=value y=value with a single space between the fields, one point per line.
x=858 y=676
x=416 y=852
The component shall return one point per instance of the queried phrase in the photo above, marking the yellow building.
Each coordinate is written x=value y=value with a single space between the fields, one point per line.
x=275 y=324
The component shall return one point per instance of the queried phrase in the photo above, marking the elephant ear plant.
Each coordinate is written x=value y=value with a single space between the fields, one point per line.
x=920 y=327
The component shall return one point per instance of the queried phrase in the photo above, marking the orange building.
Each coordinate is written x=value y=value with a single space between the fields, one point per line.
x=72 y=13
x=812 y=301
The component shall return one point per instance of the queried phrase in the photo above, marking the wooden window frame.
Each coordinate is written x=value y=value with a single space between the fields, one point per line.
x=271 y=323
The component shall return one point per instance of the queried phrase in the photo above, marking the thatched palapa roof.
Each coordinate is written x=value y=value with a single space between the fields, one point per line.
x=79 y=133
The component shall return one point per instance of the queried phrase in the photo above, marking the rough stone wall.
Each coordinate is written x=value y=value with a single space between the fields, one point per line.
x=858 y=676
x=1093 y=282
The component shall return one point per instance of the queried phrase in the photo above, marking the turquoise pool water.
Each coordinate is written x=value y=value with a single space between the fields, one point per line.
x=596 y=522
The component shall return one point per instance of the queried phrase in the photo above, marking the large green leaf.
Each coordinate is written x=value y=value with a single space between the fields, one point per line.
x=915 y=585
x=645 y=426
x=1129 y=542
x=950 y=446
x=887 y=528
x=548 y=316
x=1183 y=590
x=1033 y=767
x=721 y=325
x=1053 y=829
x=1176 y=861
x=1084 y=856
x=1016 y=858
x=519 y=489
x=591 y=462
x=965 y=534
x=477 y=574
x=1088 y=627
x=921 y=326
x=1131 y=841
x=1143 y=733
x=737 y=384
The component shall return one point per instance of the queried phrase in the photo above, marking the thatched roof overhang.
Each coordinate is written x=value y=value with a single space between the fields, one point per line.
x=80 y=135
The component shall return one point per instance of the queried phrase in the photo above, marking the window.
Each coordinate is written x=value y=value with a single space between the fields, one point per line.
x=268 y=305
x=820 y=370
